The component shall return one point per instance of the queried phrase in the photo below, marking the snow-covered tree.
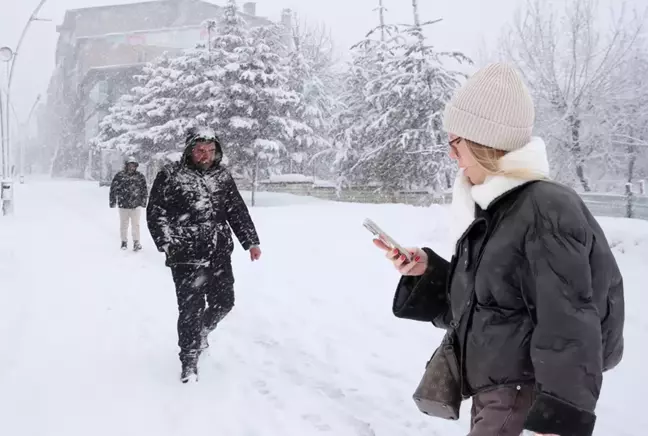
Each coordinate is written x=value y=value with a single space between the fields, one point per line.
x=238 y=84
x=350 y=134
x=174 y=93
x=410 y=97
x=627 y=118
x=308 y=68
x=390 y=132
x=569 y=65
x=254 y=110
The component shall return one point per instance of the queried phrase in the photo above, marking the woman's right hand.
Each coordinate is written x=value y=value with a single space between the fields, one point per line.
x=416 y=267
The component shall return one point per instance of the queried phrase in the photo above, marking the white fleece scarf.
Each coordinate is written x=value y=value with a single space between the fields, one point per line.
x=532 y=156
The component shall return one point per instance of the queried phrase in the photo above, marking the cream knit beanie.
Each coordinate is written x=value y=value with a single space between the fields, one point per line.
x=493 y=108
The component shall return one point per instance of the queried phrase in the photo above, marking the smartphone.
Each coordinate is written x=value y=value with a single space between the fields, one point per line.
x=380 y=234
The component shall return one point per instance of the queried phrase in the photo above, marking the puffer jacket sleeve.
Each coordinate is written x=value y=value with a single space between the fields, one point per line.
x=566 y=345
x=425 y=298
x=116 y=187
x=157 y=211
x=612 y=325
x=239 y=217
x=143 y=190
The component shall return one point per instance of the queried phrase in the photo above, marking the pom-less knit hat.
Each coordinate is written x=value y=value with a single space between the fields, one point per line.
x=493 y=108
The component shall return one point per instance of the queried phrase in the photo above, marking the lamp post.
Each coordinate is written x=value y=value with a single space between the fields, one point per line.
x=8 y=56
x=6 y=185
x=32 y=17
x=21 y=148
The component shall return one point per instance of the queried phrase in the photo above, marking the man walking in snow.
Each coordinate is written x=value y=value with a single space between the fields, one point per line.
x=128 y=190
x=194 y=207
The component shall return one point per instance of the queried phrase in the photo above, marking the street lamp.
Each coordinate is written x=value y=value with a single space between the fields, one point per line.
x=6 y=191
x=8 y=56
x=21 y=148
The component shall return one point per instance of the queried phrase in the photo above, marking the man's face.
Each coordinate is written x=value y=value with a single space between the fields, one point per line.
x=131 y=167
x=204 y=154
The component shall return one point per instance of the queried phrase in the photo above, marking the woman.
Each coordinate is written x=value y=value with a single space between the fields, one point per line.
x=532 y=299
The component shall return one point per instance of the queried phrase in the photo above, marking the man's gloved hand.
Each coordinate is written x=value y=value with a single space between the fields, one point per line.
x=112 y=205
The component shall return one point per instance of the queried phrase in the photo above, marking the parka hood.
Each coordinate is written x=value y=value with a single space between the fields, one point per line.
x=201 y=134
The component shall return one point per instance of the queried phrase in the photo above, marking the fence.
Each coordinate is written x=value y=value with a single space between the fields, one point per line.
x=631 y=204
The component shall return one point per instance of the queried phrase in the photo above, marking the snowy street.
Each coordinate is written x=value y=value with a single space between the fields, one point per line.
x=88 y=332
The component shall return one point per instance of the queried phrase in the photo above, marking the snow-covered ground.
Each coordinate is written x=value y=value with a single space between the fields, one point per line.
x=88 y=341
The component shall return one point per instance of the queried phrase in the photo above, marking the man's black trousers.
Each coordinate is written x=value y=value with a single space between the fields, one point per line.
x=205 y=296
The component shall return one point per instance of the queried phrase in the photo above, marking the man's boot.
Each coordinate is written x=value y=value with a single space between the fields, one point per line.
x=204 y=343
x=204 y=333
x=124 y=245
x=189 y=361
x=137 y=246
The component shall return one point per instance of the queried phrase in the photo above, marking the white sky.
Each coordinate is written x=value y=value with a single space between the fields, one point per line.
x=468 y=26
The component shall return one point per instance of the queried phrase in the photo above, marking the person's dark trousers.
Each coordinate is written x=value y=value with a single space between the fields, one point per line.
x=205 y=296
x=501 y=412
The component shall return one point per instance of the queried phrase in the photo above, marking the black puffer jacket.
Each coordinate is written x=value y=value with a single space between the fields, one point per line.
x=191 y=210
x=544 y=305
x=128 y=190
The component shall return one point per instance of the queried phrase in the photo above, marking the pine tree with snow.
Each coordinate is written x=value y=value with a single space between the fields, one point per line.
x=178 y=97
x=174 y=93
x=255 y=110
x=409 y=97
x=116 y=128
x=400 y=86
x=351 y=135
x=315 y=106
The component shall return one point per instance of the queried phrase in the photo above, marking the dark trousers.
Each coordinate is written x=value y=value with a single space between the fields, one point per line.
x=205 y=297
x=501 y=412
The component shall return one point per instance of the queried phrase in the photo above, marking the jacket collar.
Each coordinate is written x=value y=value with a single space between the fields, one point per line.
x=466 y=197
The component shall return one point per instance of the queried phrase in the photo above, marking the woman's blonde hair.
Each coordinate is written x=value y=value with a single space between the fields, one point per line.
x=488 y=159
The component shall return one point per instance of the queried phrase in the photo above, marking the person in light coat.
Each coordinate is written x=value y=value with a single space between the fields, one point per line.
x=129 y=192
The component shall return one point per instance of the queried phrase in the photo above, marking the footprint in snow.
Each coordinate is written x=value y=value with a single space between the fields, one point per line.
x=262 y=388
x=316 y=421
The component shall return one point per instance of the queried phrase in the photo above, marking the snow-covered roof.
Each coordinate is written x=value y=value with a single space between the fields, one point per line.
x=93 y=73
x=141 y=16
x=141 y=31
x=299 y=178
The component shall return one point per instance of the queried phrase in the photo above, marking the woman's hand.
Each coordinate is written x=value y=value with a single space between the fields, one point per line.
x=416 y=267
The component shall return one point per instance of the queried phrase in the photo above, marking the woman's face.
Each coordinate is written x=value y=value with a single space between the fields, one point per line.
x=459 y=151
